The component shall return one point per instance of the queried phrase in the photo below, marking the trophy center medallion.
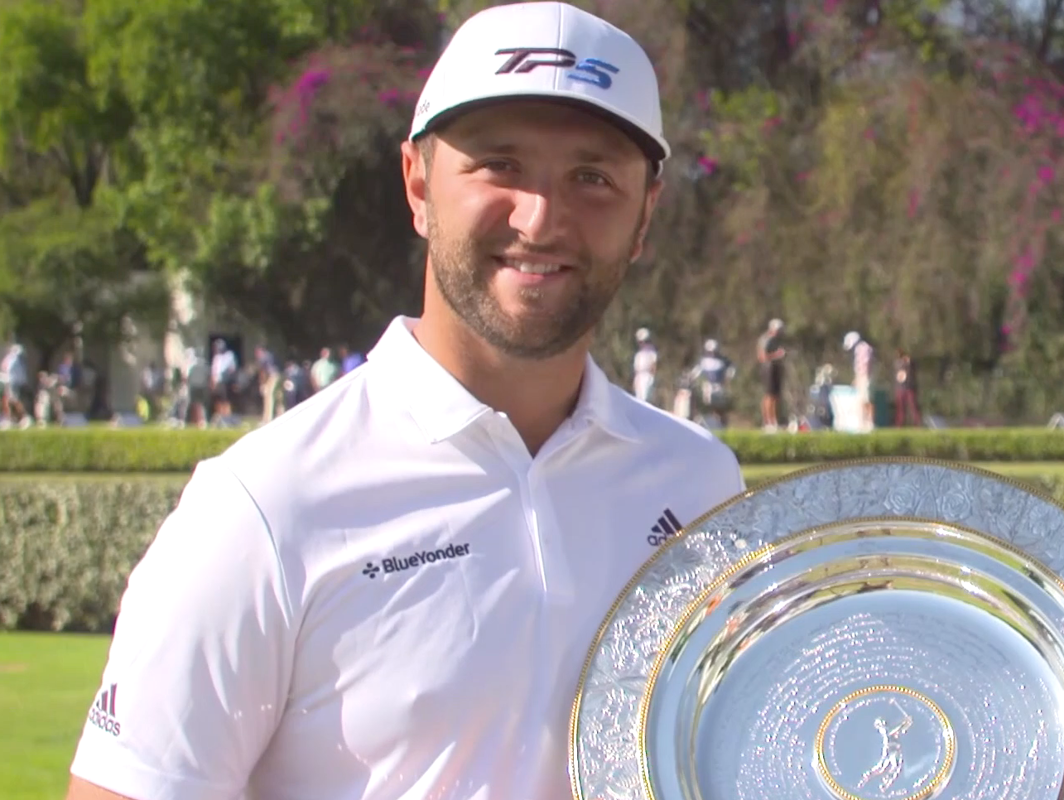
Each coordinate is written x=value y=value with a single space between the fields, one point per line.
x=885 y=743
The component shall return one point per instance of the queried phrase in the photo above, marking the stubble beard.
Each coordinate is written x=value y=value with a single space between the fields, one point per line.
x=462 y=274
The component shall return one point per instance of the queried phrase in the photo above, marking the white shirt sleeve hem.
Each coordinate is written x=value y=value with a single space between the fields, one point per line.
x=138 y=782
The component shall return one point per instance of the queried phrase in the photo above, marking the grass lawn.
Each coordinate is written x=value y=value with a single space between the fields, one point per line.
x=47 y=683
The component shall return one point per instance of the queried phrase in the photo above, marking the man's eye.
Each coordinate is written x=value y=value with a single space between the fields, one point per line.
x=497 y=166
x=593 y=178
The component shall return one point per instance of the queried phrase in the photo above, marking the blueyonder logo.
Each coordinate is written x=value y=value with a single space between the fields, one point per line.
x=417 y=559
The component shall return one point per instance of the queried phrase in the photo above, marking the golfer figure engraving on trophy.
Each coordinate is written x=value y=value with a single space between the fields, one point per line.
x=890 y=759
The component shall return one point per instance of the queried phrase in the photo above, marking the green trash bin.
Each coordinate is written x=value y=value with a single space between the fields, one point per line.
x=882 y=408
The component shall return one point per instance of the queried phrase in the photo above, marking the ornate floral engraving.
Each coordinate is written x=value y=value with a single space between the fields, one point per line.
x=606 y=759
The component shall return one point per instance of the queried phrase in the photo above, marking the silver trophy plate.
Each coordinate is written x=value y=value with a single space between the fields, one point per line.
x=889 y=629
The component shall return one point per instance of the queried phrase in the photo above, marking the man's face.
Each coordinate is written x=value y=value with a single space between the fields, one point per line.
x=533 y=212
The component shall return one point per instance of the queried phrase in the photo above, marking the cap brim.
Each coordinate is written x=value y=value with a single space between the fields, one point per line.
x=650 y=146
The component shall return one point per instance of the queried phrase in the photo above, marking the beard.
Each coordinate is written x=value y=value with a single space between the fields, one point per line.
x=463 y=269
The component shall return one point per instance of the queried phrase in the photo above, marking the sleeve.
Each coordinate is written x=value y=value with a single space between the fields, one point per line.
x=197 y=673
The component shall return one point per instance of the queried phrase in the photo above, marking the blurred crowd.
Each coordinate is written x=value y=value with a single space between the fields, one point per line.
x=221 y=392
x=211 y=387
x=705 y=392
x=74 y=388
x=200 y=391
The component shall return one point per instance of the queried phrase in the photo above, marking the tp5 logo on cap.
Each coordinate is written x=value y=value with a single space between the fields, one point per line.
x=590 y=70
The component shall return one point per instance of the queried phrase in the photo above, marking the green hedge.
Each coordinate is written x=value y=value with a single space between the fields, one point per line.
x=963 y=444
x=67 y=545
x=97 y=449
x=163 y=450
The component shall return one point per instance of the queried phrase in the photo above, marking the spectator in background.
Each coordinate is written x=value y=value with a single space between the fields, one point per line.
x=152 y=385
x=68 y=372
x=863 y=354
x=324 y=371
x=645 y=366
x=197 y=381
x=223 y=370
x=349 y=360
x=179 y=398
x=5 y=410
x=47 y=406
x=905 y=403
x=269 y=381
x=710 y=380
x=69 y=382
x=297 y=384
x=16 y=382
x=770 y=355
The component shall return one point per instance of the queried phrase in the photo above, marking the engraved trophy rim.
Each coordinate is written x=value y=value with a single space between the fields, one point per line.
x=680 y=622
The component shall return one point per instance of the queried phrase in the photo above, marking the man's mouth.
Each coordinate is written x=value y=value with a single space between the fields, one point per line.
x=532 y=267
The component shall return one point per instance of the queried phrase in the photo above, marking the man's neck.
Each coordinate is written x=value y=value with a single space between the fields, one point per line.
x=536 y=395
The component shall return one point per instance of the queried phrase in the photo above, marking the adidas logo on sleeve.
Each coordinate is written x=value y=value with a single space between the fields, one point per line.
x=102 y=713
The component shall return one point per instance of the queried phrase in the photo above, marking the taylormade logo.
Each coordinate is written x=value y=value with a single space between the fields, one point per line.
x=420 y=558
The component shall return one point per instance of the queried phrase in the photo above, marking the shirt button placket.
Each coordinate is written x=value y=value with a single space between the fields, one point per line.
x=512 y=449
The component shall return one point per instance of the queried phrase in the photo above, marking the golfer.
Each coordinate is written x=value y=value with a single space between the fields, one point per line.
x=388 y=592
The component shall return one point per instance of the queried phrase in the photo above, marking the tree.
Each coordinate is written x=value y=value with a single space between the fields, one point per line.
x=325 y=251
x=267 y=203
x=65 y=265
x=67 y=271
x=51 y=113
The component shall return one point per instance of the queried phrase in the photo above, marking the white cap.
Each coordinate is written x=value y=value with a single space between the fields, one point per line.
x=546 y=50
x=851 y=339
x=775 y=325
x=711 y=345
x=642 y=335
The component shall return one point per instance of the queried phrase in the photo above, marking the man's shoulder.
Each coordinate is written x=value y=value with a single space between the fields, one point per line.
x=667 y=431
x=314 y=441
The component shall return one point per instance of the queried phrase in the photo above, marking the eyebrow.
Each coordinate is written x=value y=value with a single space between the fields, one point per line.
x=583 y=155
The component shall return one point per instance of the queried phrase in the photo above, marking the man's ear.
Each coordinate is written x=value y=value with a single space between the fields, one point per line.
x=649 y=204
x=415 y=179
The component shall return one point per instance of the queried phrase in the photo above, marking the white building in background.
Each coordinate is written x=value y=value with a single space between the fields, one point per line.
x=192 y=323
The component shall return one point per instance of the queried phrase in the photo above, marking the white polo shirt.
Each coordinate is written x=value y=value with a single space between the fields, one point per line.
x=381 y=595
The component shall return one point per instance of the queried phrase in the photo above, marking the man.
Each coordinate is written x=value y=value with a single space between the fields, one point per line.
x=197 y=380
x=269 y=374
x=349 y=360
x=296 y=383
x=862 y=376
x=325 y=370
x=906 y=407
x=152 y=385
x=711 y=377
x=770 y=356
x=644 y=365
x=223 y=372
x=388 y=593
x=16 y=381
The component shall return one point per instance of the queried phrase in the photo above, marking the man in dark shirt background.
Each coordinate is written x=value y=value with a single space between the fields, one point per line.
x=905 y=404
x=710 y=380
x=770 y=355
x=349 y=360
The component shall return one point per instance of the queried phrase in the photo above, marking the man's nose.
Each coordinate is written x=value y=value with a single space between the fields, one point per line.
x=540 y=213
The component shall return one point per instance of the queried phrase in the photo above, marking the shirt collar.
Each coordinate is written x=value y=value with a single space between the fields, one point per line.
x=441 y=407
